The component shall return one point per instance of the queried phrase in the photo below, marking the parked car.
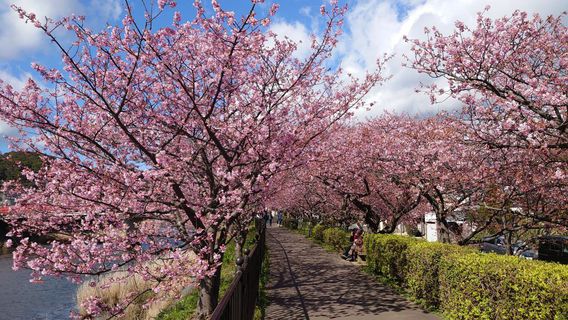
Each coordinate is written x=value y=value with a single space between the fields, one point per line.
x=497 y=245
x=493 y=245
x=553 y=248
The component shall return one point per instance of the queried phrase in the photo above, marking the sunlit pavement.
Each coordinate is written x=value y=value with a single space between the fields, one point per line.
x=306 y=282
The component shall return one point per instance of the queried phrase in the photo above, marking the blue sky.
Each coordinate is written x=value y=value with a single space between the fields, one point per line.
x=373 y=27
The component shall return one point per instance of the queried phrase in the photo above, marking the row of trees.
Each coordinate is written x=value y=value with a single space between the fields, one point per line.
x=394 y=169
x=500 y=163
x=163 y=143
x=158 y=142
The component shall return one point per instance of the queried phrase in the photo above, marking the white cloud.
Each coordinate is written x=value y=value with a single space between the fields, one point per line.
x=296 y=32
x=18 y=83
x=24 y=37
x=105 y=9
x=375 y=27
x=7 y=130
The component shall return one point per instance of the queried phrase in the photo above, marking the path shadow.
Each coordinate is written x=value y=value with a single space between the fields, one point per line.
x=308 y=282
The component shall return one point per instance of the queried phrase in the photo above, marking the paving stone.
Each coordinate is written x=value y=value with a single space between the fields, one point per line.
x=306 y=282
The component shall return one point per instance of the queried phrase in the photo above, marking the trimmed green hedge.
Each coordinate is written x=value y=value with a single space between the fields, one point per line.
x=423 y=260
x=465 y=284
x=317 y=232
x=337 y=238
x=386 y=255
x=478 y=286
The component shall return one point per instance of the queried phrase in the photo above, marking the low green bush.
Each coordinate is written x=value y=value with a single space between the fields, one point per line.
x=465 y=284
x=386 y=255
x=304 y=228
x=337 y=238
x=488 y=286
x=423 y=261
x=290 y=223
x=317 y=232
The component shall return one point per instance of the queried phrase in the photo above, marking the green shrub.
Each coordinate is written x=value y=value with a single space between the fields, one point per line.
x=290 y=223
x=337 y=238
x=413 y=231
x=423 y=260
x=467 y=285
x=488 y=286
x=317 y=232
x=386 y=255
x=304 y=228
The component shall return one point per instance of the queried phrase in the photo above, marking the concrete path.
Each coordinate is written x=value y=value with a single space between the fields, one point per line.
x=306 y=282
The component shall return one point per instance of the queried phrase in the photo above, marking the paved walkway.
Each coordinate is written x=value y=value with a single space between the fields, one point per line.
x=306 y=282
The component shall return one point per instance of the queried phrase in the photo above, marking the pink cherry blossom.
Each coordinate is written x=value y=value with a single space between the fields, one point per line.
x=161 y=143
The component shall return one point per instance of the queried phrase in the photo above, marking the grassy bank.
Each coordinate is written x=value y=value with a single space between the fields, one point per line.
x=165 y=308
x=113 y=292
x=184 y=308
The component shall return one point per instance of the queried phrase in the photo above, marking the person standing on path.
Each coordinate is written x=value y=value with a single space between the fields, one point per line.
x=279 y=218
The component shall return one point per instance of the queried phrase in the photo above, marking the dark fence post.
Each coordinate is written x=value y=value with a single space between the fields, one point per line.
x=239 y=301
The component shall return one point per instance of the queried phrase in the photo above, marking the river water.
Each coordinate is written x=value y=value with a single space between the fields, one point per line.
x=22 y=300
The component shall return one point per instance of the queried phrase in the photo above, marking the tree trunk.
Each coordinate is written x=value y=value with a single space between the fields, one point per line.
x=4 y=228
x=208 y=295
x=443 y=231
x=391 y=227
x=509 y=243
x=371 y=220
x=372 y=224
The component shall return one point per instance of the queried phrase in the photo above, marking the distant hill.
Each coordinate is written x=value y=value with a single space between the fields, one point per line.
x=10 y=163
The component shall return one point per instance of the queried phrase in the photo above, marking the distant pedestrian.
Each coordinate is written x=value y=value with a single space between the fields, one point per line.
x=266 y=217
x=270 y=219
x=279 y=216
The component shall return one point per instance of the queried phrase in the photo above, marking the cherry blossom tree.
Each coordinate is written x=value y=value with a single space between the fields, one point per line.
x=524 y=198
x=511 y=75
x=301 y=196
x=158 y=142
x=453 y=174
x=418 y=165
x=354 y=175
x=475 y=189
x=488 y=189
x=393 y=169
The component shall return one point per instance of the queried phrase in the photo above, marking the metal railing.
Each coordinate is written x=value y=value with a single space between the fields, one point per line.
x=239 y=301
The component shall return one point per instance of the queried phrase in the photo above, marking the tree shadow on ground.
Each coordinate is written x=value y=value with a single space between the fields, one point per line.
x=308 y=282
